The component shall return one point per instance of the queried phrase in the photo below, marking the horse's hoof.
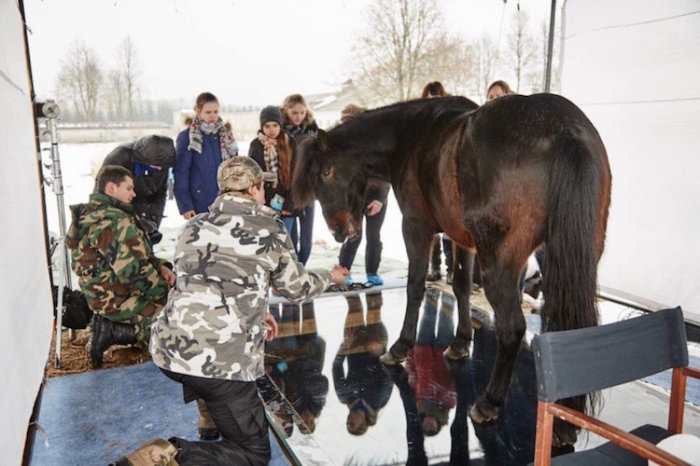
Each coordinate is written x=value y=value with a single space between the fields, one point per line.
x=455 y=355
x=388 y=359
x=483 y=411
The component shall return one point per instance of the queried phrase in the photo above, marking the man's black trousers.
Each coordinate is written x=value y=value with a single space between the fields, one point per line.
x=238 y=414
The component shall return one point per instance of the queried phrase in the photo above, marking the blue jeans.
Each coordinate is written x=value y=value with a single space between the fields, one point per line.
x=302 y=242
x=289 y=225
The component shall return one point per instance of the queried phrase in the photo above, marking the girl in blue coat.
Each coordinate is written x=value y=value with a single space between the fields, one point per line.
x=200 y=150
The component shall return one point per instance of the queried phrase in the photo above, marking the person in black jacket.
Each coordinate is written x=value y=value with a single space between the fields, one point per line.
x=375 y=212
x=149 y=159
x=274 y=151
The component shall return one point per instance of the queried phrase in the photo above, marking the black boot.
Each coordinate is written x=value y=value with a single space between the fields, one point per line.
x=106 y=333
x=434 y=272
x=449 y=258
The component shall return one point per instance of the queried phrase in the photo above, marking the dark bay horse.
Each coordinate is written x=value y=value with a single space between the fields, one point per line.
x=503 y=179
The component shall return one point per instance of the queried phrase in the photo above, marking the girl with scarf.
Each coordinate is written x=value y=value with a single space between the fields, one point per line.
x=274 y=151
x=200 y=149
x=299 y=122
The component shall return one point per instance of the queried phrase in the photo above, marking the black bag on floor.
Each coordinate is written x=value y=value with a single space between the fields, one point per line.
x=76 y=312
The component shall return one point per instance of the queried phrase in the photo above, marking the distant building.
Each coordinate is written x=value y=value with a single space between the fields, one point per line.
x=327 y=106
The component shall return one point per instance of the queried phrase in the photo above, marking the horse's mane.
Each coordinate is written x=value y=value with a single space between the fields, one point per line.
x=429 y=108
x=368 y=127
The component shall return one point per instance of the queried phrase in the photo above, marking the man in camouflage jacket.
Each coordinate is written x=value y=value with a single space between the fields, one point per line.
x=125 y=285
x=211 y=335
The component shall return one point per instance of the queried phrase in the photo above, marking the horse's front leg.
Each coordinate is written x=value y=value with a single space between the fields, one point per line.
x=500 y=284
x=462 y=285
x=417 y=240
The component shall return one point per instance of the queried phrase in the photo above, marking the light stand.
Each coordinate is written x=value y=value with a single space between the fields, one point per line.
x=50 y=111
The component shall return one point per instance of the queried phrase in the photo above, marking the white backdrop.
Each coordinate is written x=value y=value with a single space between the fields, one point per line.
x=25 y=294
x=633 y=66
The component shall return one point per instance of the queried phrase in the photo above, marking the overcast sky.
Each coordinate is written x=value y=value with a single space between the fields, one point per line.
x=246 y=52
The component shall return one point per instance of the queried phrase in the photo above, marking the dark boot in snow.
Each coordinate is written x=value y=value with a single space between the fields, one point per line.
x=106 y=333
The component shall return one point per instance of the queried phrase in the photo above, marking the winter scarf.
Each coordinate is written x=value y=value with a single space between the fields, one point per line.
x=229 y=146
x=271 y=161
x=296 y=130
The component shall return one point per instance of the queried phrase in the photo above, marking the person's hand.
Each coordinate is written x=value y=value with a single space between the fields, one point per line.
x=271 y=327
x=374 y=207
x=167 y=275
x=339 y=274
x=286 y=213
x=189 y=214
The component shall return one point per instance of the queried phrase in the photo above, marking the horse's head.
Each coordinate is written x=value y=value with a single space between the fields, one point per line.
x=336 y=178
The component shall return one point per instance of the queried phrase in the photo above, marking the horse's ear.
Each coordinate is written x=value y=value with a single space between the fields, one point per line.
x=305 y=172
x=323 y=143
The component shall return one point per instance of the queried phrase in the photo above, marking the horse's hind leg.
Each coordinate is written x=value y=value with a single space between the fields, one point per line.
x=500 y=283
x=462 y=273
x=417 y=240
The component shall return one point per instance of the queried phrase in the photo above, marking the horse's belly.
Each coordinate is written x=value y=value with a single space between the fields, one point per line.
x=461 y=236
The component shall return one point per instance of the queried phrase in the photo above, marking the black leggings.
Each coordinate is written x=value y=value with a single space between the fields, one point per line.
x=238 y=414
x=373 y=249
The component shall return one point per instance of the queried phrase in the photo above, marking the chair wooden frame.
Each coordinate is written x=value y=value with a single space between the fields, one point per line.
x=546 y=412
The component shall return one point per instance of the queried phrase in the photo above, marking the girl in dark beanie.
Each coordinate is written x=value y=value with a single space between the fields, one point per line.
x=299 y=122
x=274 y=151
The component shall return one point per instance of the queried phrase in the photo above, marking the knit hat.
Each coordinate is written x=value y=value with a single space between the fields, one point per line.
x=238 y=173
x=270 y=113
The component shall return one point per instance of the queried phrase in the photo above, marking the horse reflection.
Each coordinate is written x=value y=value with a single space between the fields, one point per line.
x=294 y=362
x=365 y=388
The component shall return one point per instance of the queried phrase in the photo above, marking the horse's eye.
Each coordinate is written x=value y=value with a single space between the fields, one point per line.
x=326 y=173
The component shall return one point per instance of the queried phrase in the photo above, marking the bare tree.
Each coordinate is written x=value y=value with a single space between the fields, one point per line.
x=113 y=95
x=522 y=46
x=396 y=44
x=555 y=83
x=80 y=80
x=130 y=71
x=452 y=61
x=486 y=58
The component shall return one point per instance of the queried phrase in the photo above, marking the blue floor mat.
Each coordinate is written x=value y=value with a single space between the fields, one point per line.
x=97 y=417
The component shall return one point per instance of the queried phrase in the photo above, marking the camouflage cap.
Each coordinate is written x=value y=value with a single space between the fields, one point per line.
x=238 y=173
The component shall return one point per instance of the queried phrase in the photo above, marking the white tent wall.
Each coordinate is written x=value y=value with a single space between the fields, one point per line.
x=633 y=66
x=25 y=331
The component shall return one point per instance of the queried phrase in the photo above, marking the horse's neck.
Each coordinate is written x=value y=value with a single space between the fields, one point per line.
x=374 y=144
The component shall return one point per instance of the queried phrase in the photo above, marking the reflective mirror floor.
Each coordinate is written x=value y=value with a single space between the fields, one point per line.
x=333 y=402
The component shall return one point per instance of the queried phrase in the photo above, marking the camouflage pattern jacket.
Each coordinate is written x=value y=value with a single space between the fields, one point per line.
x=225 y=261
x=112 y=257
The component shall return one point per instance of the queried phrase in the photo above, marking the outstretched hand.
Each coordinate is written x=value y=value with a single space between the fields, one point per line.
x=167 y=275
x=271 y=327
x=339 y=274
x=374 y=207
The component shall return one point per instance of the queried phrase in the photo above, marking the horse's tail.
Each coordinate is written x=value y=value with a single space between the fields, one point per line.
x=570 y=273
